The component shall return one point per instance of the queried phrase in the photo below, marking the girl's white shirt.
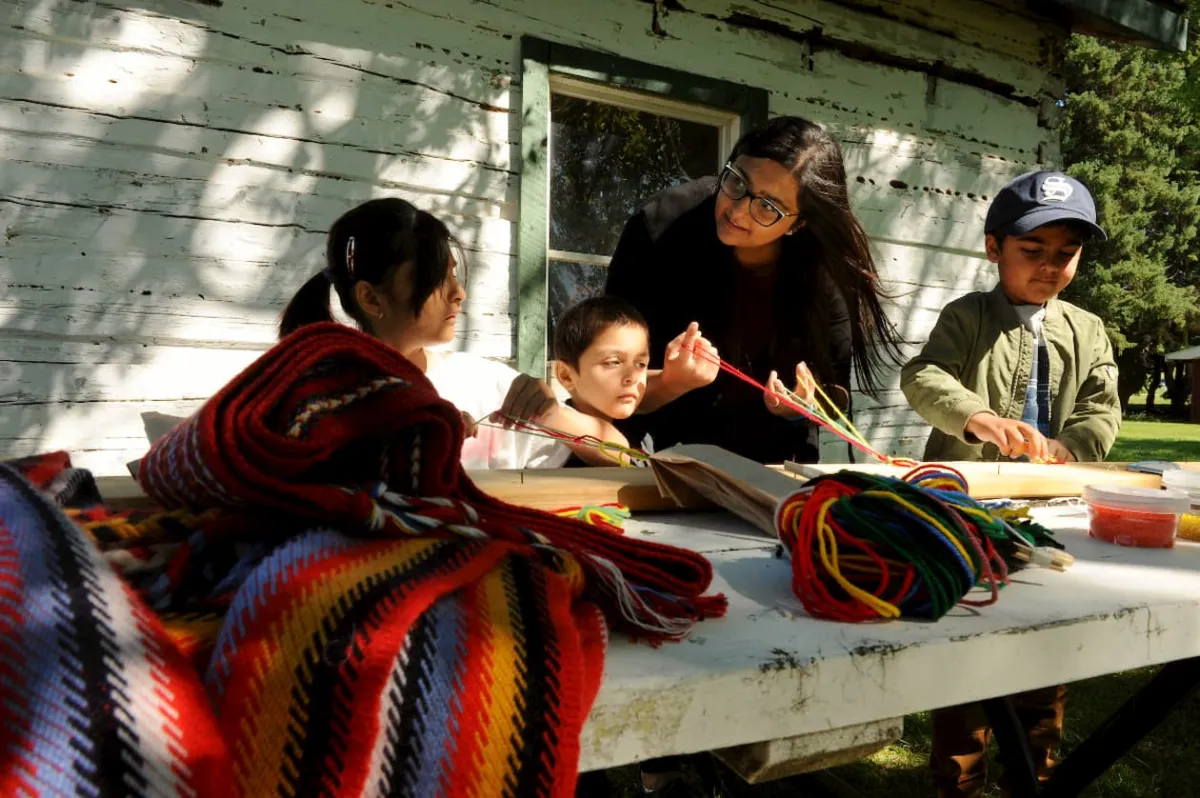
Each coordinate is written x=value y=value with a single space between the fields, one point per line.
x=477 y=386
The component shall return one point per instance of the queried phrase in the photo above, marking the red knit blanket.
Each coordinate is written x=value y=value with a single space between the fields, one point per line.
x=418 y=637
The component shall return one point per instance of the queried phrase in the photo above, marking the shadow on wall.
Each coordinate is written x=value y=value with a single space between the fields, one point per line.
x=169 y=171
x=926 y=227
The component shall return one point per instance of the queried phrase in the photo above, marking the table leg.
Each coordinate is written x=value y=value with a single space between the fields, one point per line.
x=1136 y=718
x=1170 y=687
x=1015 y=756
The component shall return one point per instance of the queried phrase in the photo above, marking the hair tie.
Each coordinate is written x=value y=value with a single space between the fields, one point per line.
x=350 y=257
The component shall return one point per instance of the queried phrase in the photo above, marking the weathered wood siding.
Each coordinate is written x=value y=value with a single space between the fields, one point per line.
x=167 y=168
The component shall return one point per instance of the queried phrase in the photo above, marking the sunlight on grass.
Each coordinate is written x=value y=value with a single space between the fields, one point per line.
x=1156 y=440
x=900 y=756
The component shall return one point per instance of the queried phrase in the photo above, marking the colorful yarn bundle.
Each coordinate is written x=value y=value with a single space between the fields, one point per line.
x=329 y=606
x=610 y=515
x=865 y=547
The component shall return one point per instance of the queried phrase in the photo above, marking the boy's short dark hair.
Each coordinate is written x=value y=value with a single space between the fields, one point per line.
x=1080 y=229
x=584 y=322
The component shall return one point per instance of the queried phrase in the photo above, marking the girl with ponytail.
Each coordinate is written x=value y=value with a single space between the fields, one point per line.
x=397 y=272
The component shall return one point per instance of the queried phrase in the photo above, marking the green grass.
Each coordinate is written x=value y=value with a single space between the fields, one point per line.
x=1163 y=764
x=1166 y=764
x=1156 y=440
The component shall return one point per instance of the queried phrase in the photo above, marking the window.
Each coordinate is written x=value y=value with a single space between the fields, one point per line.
x=600 y=136
x=610 y=150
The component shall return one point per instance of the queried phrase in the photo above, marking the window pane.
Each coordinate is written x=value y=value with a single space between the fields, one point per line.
x=606 y=161
x=570 y=283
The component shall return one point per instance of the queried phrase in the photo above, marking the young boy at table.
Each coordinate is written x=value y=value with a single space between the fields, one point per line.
x=602 y=354
x=1014 y=372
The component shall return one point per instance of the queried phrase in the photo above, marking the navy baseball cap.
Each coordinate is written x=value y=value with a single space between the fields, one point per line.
x=1039 y=198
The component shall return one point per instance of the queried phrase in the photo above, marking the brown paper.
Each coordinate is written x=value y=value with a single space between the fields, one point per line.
x=694 y=473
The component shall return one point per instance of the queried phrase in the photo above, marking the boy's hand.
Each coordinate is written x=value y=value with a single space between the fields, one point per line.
x=1013 y=438
x=805 y=391
x=529 y=399
x=1059 y=452
x=691 y=361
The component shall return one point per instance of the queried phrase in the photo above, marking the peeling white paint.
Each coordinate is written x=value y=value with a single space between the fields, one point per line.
x=172 y=212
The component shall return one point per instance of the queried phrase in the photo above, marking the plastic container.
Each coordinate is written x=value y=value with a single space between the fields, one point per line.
x=1188 y=482
x=1142 y=517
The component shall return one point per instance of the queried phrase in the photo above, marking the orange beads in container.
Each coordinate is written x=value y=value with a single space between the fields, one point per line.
x=1128 y=516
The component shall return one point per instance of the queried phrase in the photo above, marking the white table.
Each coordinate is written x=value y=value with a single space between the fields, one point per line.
x=767 y=672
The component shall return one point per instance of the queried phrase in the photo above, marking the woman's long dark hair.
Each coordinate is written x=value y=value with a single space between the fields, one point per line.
x=370 y=242
x=833 y=237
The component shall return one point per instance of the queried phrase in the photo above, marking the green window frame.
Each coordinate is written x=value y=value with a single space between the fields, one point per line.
x=541 y=60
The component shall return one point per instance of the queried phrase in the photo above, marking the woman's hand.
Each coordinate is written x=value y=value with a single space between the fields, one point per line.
x=528 y=399
x=1013 y=438
x=805 y=391
x=691 y=362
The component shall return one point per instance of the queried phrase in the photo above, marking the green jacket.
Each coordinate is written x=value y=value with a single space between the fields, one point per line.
x=979 y=357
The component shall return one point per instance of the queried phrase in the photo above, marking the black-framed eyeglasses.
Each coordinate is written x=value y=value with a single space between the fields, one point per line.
x=762 y=210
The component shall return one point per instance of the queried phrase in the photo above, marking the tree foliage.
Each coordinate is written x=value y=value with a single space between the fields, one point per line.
x=1131 y=133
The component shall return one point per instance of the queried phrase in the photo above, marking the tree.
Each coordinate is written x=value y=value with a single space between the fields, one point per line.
x=605 y=162
x=1131 y=133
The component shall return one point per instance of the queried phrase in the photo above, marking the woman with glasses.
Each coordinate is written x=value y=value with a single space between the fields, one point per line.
x=776 y=270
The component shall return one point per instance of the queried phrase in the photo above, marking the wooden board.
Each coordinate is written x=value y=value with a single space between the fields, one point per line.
x=1012 y=480
x=544 y=489
x=556 y=488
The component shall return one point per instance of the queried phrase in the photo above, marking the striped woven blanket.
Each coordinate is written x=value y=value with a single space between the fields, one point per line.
x=326 y=605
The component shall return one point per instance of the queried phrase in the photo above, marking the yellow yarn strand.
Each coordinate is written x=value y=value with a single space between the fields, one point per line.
x=827 y=549
x=842 y=423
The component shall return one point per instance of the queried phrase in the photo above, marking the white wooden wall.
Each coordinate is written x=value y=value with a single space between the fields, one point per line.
x=168 y=167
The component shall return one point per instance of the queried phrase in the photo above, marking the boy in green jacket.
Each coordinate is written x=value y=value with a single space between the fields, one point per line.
x=1017 y=371
x=1010 y=372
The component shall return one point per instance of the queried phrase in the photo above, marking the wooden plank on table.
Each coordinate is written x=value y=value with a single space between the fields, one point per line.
x=556 y=488
x=992 y=480
x=546 y=489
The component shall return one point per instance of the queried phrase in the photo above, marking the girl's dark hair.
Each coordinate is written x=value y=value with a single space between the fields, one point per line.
x=370 y=242
x=832 y=238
